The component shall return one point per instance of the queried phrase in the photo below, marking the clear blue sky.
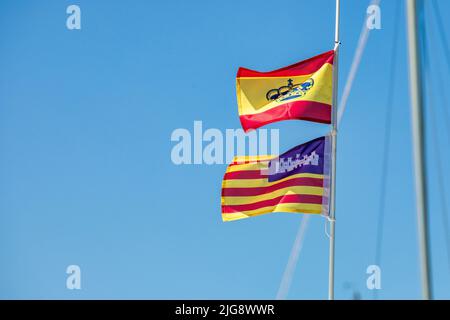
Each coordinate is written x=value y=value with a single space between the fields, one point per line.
x=85 y=171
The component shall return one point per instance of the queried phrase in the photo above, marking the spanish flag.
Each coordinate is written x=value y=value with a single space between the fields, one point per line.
x=296 y=181
x=301 y=91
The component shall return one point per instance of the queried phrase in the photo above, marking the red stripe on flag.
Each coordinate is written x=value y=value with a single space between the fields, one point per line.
x=248 y=174
x=248 y=160
x=291 y=198
x=300 y=110
x=300 y=68
x=243 y=192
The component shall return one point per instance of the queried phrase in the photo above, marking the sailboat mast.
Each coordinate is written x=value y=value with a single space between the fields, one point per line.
x=418 y=144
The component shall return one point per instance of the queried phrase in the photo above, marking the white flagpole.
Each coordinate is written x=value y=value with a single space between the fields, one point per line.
x=333 y=156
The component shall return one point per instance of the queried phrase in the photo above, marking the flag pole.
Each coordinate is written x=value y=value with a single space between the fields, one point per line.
x=333 y=157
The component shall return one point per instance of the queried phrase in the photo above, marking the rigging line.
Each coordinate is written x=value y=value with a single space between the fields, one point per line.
x=363 y=37
x=440 y=178
x=439 y=77
x=442 y=33
x=387 y=140
x=436 y=149
x=293 y=259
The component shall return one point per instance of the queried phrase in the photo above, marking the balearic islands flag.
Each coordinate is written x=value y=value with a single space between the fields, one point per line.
x=296 y=181
x=301 y=91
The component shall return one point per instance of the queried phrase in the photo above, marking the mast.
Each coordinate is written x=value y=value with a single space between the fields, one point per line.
x=418 y=145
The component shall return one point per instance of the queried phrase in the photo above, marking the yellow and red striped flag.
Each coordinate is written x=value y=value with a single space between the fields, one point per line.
x=301 y=91
x=296 y=181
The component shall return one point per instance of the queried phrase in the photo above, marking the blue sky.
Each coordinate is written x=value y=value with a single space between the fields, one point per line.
x=85 y=171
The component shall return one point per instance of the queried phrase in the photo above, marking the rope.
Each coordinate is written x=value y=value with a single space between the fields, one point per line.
x=442 y=32
x=387 y=140
x=430 y=103
x=329 y=219
x=445 y=47
x=293 y=259
x=363 y=37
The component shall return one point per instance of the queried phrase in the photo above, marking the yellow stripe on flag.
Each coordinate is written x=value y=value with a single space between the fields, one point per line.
x=274 y=194
x=283 y=207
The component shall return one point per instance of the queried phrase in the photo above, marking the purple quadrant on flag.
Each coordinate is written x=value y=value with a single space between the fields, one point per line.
x=305 y=158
